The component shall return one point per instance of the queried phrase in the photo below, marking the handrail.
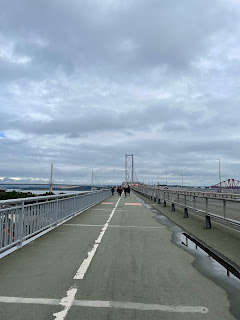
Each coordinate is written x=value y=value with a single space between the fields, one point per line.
x=168 y=196
x=32 y=217
x=195 y=192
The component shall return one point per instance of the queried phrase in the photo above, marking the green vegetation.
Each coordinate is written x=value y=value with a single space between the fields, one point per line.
x=16 y=195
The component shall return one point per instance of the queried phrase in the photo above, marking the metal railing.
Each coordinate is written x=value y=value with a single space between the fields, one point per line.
x=22 y=219
x=224 y=207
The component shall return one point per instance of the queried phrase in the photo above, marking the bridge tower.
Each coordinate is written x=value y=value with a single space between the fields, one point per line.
x=51 y=179
x=128 y=168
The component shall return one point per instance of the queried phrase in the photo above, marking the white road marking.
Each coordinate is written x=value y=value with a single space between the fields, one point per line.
x=82 y=225
x=101 y=209
x=29 y=300
x=86 y=262
x=109 y=226
x=140 y=227
x=69 y=301
x=107 y=209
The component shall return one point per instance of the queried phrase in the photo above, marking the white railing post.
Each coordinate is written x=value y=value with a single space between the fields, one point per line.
x=20 y=224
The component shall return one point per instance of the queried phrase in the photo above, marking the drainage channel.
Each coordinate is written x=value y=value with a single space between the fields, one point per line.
x=229 y=268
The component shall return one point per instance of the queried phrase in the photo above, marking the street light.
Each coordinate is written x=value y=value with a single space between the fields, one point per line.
x=219 y=167
x=182 y=178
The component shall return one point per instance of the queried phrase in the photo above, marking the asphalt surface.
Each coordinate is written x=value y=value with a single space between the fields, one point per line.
x=135 y=267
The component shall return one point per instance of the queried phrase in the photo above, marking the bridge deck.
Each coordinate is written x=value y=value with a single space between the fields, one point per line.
x=132 y=267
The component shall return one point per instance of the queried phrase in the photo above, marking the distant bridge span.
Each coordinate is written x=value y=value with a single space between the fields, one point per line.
x=228 y=184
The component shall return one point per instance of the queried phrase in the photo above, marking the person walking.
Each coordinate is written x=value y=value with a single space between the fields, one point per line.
x=120 y=190
x=112 y=191
x=128 y=190
x=125 y=189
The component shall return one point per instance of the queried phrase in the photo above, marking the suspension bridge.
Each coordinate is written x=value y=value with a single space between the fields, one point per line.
x=153 y=253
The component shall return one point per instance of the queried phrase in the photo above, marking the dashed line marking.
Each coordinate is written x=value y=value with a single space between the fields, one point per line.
x=86 y=262
x=67 y=301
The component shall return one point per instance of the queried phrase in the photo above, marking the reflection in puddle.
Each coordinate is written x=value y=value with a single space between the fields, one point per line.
x=181 y=240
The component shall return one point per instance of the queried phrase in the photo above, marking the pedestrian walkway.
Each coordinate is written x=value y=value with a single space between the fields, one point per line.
x=116 y=260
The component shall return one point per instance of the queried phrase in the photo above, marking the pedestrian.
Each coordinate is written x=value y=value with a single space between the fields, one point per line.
x=128 y=190
x=112 y=191
x=120 y=190
x=125 y=189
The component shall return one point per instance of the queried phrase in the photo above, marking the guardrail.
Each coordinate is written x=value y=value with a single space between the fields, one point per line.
x=225 y=205
x=22 y=220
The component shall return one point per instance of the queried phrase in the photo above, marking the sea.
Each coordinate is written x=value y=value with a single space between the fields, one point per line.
x=42 y=191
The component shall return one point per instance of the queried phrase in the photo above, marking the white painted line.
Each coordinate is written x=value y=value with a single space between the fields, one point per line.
x=158 y=307
x=69 y=301
x=82 y=225
x=101 y=209
x=29 y=300
x=107 y=209
x=109 y=225
x=140 y=227
x=93 y=303
x=86 y=262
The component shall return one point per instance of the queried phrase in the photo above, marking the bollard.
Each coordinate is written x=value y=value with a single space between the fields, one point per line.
x=164 y=203
x=185 y=213
x=208 y=222
x=173 y=207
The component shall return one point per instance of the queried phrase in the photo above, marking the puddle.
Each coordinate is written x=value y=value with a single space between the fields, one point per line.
x=204 y=263
x=145 y=204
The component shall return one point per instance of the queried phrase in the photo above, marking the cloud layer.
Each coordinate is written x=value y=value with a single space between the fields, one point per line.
x=84 y=83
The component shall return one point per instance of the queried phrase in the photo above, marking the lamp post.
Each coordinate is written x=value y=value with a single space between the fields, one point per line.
x=219 y=169
x=182 y=178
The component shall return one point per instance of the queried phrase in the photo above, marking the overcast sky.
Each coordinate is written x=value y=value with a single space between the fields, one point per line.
x=82 y=83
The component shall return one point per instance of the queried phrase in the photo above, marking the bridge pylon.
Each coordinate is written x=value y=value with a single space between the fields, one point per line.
x=128 y=168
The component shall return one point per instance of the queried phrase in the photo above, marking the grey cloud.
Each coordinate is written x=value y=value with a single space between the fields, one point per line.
x=158 y=79
x=141 y=34
x=101 y=120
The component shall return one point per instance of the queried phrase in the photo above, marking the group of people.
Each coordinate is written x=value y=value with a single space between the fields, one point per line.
x=119 y=190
